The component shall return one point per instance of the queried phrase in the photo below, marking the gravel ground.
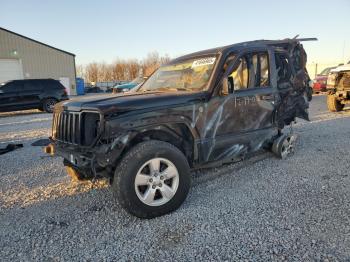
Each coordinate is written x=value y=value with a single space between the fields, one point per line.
x=259 y=209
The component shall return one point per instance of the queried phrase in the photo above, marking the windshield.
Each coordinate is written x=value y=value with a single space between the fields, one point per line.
x=191 y=75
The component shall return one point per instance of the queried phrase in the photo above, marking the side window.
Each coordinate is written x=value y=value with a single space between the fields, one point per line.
x=14 y=86
x=259 y=70
x=239 y=76
x=264 y=70
x=7 y=88
x=33 y=85
x=252 y=71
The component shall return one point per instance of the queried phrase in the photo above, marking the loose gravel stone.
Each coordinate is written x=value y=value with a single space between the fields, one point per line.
x=260 y=209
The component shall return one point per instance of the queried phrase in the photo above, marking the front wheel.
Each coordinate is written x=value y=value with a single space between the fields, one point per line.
x=152 y=179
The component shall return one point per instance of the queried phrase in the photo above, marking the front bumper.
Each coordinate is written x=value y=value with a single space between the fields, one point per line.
x=73 y=156
x=100 y=157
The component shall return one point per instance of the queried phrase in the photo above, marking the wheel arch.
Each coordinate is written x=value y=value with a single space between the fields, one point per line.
x=42 y=99
x=178 y=134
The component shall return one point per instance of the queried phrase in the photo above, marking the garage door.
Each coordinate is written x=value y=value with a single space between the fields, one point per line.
x=10 y=69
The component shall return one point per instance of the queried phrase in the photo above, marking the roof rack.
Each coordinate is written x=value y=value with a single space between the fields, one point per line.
x=289 y=40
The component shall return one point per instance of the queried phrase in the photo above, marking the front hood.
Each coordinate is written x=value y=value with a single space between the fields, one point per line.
x=110 y=103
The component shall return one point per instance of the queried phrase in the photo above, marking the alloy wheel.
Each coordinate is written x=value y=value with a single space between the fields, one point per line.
x=156 y=182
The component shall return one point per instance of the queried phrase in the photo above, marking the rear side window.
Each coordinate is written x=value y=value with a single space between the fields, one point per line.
x=48 y=84
x=13 y=86
x=32 y=85
x=56 y=84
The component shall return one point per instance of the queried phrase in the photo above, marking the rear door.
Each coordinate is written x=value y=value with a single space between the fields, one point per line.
x=10 y=97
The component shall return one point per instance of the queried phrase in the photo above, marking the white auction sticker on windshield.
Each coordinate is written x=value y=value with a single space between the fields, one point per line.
x=203 y=61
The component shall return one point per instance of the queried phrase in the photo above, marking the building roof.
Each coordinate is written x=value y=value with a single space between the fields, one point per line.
x=36 y=41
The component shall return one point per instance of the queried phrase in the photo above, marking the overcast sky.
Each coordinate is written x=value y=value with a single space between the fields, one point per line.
x=104 y=30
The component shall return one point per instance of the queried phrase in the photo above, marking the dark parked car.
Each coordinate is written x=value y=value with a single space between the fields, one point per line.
x=40 y=94
x=200 y=110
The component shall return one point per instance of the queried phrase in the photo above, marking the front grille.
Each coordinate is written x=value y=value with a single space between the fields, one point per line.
x=77 y=128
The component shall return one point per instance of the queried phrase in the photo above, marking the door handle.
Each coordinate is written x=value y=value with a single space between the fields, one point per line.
x=267 y=97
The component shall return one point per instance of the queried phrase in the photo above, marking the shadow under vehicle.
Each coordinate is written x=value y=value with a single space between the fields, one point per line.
x=199 y=110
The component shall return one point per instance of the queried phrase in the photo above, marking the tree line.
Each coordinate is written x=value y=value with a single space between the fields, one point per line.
x=121 y=69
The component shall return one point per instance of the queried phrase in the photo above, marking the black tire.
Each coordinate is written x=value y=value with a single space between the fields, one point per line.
x=334 y=104
x=125 y=174
x=48 y=104
x=283 y=146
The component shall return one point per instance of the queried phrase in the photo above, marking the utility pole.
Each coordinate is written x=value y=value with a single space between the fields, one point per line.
x=315 y=69
x=343 y=57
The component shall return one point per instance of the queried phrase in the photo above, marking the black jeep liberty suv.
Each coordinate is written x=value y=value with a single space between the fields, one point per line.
x=199 y=110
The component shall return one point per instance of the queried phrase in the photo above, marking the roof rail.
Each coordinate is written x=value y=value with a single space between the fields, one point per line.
x=289 y=40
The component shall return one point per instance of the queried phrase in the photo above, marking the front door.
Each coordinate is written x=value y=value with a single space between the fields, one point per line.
x=246 y=108
x=10 y=96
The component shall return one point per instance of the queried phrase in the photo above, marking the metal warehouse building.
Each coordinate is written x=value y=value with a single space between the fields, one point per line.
x=24 y=58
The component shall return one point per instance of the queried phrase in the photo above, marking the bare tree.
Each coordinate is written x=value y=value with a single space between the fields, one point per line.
x=80 y=70
x=121 y=69
x=92 y=72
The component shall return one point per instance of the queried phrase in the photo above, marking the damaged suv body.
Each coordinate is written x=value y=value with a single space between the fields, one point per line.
x=199 y=110
x=338 y=88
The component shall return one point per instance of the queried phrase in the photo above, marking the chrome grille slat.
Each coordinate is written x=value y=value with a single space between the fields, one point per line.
x=63 y=125
x=60 y=126
x=73 y=129
x=69 y=130
x=67 y=127
x=79 y=129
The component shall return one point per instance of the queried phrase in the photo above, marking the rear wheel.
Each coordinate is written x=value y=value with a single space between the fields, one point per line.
x=283 y=146
x=49 y=104
x=152 y=179
x=334 y=104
